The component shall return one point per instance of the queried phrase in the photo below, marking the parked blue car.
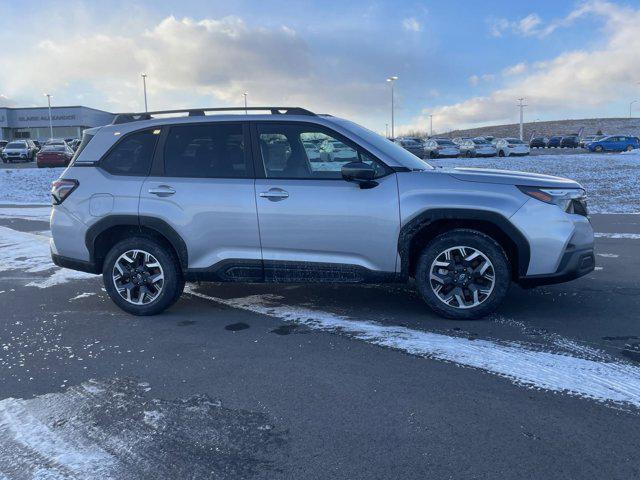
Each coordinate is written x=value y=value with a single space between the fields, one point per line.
x=614 y=143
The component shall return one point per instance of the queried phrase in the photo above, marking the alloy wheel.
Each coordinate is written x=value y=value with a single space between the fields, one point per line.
x=462 y=277
x=138 y=277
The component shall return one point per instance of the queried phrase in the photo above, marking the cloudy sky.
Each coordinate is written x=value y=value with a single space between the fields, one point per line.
x=464 y=61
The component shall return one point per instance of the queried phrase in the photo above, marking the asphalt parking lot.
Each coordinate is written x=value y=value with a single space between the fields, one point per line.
x=279 y=381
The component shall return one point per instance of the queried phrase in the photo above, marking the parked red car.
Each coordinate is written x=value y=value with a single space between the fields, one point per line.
x=54 y=156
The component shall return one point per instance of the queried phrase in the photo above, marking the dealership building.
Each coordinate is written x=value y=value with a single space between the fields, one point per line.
x=33 y=122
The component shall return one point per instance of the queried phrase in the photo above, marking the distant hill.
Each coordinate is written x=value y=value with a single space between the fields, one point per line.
x=608 y=126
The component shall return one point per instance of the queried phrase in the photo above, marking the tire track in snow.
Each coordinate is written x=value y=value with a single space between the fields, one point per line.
x=596 y=379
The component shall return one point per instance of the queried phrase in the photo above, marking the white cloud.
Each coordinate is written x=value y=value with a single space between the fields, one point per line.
x=411 y=24
x=516 y=69
x=587 y=79
x=476 y=79
x=187 y=60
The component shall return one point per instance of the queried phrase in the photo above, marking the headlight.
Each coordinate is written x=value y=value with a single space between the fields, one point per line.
x=571 y=200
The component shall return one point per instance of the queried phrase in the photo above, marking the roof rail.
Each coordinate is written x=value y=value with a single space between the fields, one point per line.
x=198 y=112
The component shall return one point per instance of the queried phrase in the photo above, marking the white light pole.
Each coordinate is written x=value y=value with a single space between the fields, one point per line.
x=521 y=104
x=431 y=125
x=245 y=102
x=631 y=105
x=144 y=88
x=386 y=130
x=48 y=95
x=391 y=80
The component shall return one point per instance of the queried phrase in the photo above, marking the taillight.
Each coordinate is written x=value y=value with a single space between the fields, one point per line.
x=61 y=189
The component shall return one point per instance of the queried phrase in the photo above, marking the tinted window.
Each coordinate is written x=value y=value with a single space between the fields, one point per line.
x=444 y=142
x=300 y=151
x=16 y=145
x=132 y=155
x=214 y=150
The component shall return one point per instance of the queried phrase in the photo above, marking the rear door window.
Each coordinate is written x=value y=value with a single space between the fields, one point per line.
x=213 y=150
x=133 y=154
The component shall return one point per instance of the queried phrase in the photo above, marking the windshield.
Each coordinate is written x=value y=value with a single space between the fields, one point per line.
x=445 y=142
x=16 y=145
x=389 y=148
x=54 y=148
x=513 y=141
x=481 y=142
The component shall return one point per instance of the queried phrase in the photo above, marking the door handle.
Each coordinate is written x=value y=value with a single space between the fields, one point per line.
x=275 y=194
x=162 y=191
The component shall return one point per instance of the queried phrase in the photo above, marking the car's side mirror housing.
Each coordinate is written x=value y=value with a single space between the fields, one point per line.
x=359 y=172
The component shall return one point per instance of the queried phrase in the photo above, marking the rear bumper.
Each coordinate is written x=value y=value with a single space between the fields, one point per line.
x=575 y=263
x=73 y=264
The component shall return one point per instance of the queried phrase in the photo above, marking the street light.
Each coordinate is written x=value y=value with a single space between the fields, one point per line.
x=391 y=80
x=245 y=102
x=48 y=95
x=631 y=105
x=144 y=87
x=431 y=125
x=521 y=104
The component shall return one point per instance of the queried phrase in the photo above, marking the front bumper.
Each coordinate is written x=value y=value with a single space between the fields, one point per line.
x=575 y=263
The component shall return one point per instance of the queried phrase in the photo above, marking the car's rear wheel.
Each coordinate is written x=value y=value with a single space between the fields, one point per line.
x=629 y=148
x=463 y=274
x=142 y=276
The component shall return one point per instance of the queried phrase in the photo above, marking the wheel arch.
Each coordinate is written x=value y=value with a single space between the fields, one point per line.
x=415 y=234
x=103 y=234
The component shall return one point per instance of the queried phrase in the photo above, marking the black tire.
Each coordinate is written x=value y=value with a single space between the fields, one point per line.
x=501 y=153
x=629 y=148
x=476 y=240
x=469 y=154
x=598 y=148
x=173 y=279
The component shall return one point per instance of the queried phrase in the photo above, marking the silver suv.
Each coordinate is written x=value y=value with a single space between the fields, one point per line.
x=152 y=202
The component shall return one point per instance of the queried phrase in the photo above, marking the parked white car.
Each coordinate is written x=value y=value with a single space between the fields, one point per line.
x=512 y=146
x=477 y=147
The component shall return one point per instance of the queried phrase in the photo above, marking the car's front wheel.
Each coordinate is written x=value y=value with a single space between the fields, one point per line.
x=142 y=276
x=598 y=148
x=463 y=274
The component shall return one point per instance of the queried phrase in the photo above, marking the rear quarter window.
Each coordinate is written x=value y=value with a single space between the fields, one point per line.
x=132 y=155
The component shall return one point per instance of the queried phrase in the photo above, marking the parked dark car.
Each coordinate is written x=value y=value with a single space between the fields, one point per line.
x=54 y=156
x=539 y=142
x=570 y=141
x=554 y=142
x=413 y=145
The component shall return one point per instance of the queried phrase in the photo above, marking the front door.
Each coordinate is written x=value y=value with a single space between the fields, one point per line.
x=315 y=226
x=205 y=191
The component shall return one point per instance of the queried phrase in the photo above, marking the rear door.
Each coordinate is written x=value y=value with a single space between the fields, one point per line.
x=315 y=226
x=202 y=185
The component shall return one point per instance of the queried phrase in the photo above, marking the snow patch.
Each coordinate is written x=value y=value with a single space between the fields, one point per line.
x=30 y=253
x=82 y=295
x=629 y=236
x=608 y=255
x=111 y=430
x=582 y=377
x=27 y=186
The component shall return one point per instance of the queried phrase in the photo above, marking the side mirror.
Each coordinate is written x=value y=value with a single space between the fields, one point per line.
x=358 y=172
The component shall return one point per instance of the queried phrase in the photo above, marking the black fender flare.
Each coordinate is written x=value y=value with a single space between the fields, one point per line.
x=430 y=216
x=135 y=221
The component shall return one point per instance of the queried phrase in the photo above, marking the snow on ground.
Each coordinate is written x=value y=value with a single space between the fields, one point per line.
x=611 y=180
x=27 y=185
x=30 y=252
x=112 y=430
x=588 y=374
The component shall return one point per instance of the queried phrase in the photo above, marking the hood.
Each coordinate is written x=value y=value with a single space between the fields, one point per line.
x=508 y=177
